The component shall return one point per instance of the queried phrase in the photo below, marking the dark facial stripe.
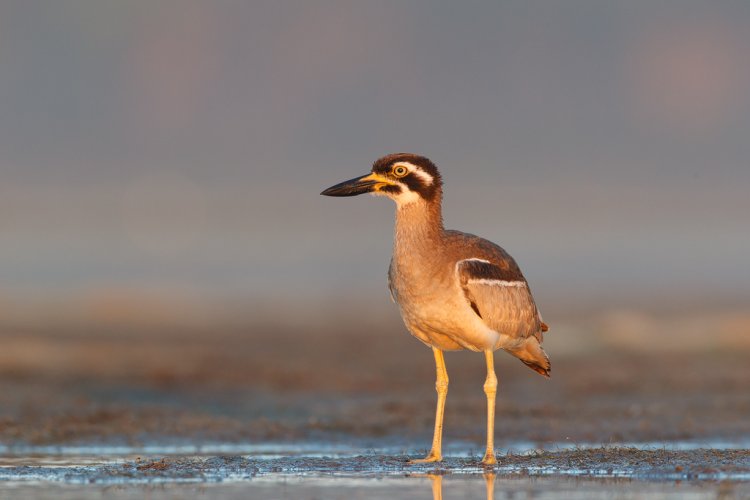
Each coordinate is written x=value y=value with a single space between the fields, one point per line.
x=391 y=189
x=414 y=183
x=417 y=185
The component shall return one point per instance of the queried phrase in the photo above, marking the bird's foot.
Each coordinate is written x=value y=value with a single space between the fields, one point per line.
x=431 y=457
x=489 y=458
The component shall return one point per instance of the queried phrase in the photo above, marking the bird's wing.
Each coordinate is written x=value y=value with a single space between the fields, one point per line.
x=498 y=293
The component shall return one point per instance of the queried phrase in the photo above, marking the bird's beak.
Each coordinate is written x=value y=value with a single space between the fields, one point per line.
x=360 y=185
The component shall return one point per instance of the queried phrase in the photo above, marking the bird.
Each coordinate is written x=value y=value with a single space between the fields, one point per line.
x=454 y=290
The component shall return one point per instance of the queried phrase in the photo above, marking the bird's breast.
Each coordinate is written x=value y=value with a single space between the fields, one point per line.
x=434 y=307
x=427 y=295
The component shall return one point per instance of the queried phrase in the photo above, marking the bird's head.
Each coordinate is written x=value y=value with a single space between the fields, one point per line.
x=403 y=177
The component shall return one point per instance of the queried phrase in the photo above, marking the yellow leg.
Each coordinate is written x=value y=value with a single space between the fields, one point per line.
x=441 y=386
x=490 y=389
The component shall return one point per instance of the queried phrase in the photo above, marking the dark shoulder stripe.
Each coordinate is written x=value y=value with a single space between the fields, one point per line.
x=479 y=269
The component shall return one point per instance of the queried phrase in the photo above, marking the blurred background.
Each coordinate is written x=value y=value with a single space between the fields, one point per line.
x=160 y=164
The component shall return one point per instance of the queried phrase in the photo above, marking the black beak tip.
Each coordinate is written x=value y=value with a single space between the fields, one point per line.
x=331 y=191
x=351 y=187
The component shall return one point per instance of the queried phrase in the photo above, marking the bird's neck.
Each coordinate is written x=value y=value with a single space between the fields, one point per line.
x=419 y=226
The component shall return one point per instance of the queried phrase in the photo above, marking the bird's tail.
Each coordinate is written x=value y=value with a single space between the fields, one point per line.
x=532 y=355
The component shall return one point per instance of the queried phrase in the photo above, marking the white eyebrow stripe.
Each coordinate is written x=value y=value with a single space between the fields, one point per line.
x=475 y=260
x=427 y=178
x=503 y=283
x=460 y=262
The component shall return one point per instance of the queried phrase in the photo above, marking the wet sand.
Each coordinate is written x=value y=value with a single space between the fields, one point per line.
x=582 y=473
x=201 y=405
x=228 y=386
x=602 y=462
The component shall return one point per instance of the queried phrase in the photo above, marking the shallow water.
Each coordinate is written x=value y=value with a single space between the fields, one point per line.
x=390 y=488
x=680 y=469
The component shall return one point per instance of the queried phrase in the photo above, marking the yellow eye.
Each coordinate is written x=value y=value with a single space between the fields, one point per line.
x=400 y=171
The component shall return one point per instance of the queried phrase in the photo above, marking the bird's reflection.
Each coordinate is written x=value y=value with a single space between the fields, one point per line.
x=489 y=480
x=437 y=485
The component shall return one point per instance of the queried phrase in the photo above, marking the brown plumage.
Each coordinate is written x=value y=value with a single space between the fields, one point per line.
x=454 y=290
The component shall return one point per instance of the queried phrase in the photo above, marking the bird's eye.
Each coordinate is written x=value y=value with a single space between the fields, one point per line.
x=400 y=171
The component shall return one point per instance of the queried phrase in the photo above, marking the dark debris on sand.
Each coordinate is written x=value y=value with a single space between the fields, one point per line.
x=656 y=464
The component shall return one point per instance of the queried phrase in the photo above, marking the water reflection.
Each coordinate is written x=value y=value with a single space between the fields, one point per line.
x=457 y=486
x=437 y=486
x=489 y=479
x=436 y=480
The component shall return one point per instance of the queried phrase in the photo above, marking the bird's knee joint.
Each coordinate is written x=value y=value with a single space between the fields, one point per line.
x=441 y=386
x=490 y=386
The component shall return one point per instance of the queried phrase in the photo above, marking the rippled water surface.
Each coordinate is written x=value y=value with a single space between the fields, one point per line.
x=688 y=469
x=390 y=488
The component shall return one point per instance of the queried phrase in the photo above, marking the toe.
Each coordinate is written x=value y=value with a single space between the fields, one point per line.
x=432 y=457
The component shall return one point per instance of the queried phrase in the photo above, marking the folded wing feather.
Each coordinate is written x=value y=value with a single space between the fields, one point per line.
x=500 y=295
